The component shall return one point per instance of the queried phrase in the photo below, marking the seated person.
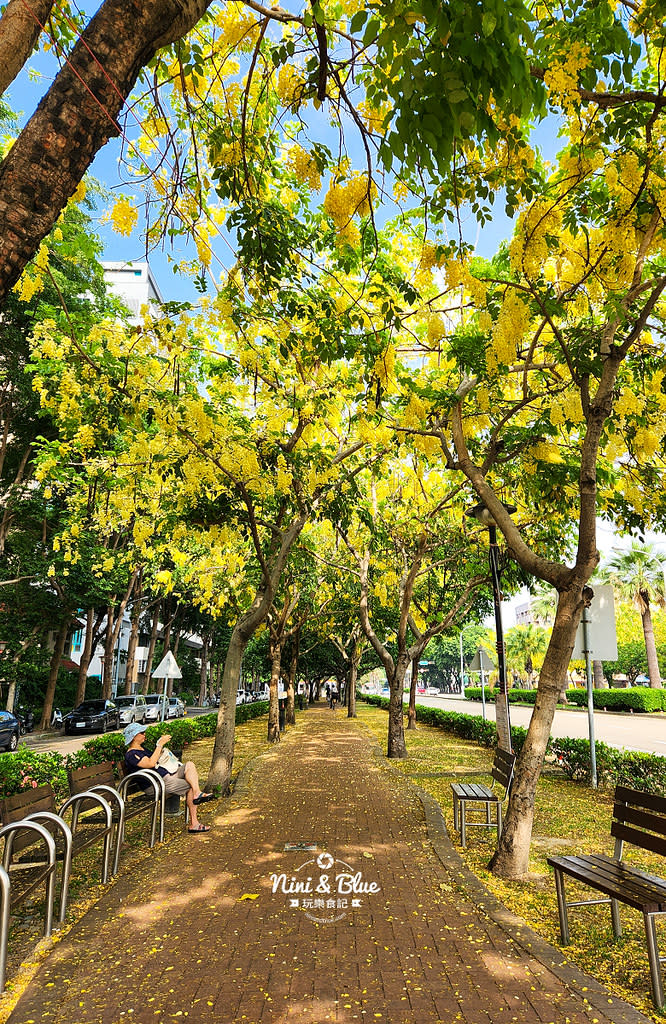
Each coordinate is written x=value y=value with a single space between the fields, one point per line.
x=183 y=782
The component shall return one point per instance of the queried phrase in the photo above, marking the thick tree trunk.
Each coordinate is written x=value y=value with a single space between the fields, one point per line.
x=109 y=640
x=273 y=735
x=290 y=714
x=147 y=678
x=203 y=673
x=354 y=661
x=650 y=645
x=396 y=730
x=598 y=671
x=77 y=117
x=511 y=860
x=411 y=714
x=86 y=657
x=132 y=643
x=54 y=668
x=20 y=26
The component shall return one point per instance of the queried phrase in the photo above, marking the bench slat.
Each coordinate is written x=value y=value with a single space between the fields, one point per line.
x=637 y=837
x=615 y=878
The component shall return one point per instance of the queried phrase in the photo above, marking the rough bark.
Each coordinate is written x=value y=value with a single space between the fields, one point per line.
x=355 y=656
x=132 y=644
x=147 y=677
x=77 y=117
x=290 y=715
x=20 y=26
x=203 y=672
x=598 y=670
x=411 y=714
x=650 y=644
x=86 y=657
x=273 y=734
x=54 y=667
x=107 y=666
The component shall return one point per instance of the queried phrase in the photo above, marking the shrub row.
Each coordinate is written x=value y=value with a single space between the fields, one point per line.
x=25 y=767
x=638 y=770
x=638 y=698
x=468 y=727
x=646 y=772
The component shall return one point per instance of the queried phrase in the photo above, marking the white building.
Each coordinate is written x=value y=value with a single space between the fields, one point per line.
x=134 y=284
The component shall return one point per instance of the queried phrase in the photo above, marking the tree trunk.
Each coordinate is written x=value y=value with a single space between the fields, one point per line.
x=354 y=661
x=273 y=705
x=290 y=710
x=511 y=860
x=411 y=715
x=650 y=645
x=76 y=117
x=109 y=641
x=203 y=673
x=132 y=643
x=396 y=731
x=598 y=671
x=54 y=668
x=147 y=678
x=86 y=657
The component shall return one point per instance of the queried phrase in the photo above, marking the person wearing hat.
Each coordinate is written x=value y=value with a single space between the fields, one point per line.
x=184 y=781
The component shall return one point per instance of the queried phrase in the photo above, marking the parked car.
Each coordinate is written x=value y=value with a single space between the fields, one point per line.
x=432 y=691
x=176 y=708
x=132 y=708
x=157 y=707
x=92 y=716
x=9 y=731
x=386 y=692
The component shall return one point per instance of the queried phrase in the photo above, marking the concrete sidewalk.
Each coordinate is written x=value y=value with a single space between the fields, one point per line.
x=379 y=922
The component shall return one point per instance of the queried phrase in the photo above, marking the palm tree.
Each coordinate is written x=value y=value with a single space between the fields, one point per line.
x=637 y=575
x=526 y=645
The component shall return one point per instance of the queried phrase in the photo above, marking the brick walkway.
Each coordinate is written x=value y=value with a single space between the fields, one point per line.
x=186 y=941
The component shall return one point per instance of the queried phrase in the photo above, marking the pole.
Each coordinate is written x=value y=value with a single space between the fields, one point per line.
x=163 y=713
x=502 y=702
x=462 y=666
x=483 y=691
x=590 y=691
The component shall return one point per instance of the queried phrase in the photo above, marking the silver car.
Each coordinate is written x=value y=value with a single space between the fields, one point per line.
x=157 y=707
x=132 y=708
x=176 y=708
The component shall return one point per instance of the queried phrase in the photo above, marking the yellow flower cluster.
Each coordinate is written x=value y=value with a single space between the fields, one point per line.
x=508 y=331
x=304 y=167
x=346 y=199
x=529 y=248
x=385 y=365
x=237 y=29
x=436 y=329
x=646 y=443
x=123 y=217
x=561 y=78
x=567 y=409
x=415 y=413
x=373 y=117
x=290 y=85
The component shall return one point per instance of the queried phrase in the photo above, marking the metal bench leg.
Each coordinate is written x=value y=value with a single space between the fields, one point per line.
x=562 y=907
x=653 y=957
x=463 y=832
x=455 y=812
x=488 y=821
x=499 y=821
x=4 y=924
x=615 y=918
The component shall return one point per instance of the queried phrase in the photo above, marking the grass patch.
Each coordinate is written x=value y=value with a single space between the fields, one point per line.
x=569 y=818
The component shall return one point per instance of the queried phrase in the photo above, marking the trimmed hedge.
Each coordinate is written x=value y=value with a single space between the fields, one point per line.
x=637 y=698
x=26 y=768
x=468 y=727
x=633 y=768
x=642 y=771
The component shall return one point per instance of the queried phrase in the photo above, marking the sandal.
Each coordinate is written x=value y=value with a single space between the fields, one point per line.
x=201 y=828
x=203 y=798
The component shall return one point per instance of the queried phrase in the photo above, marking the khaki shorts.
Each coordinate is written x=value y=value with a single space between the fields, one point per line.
x=177 y=783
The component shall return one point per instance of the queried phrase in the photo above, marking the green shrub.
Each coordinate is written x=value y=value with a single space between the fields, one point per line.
x=181 y=730
x=637 y=698
x=26 y=769
x=244 y=712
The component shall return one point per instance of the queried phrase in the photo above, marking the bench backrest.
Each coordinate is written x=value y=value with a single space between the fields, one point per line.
x=20 y=805
x=502 y=770
x=639 y=819
x=81 y=779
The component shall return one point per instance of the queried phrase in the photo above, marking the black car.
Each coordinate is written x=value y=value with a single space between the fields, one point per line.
x=92 y=716
x=9 y=731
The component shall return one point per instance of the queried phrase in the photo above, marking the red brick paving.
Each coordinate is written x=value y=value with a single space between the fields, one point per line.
x=181 y=944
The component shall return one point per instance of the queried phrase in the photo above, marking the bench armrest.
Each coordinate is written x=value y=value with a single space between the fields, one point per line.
x=154 y=778
x=75 y=801
x=109 y=793
x=9 y=832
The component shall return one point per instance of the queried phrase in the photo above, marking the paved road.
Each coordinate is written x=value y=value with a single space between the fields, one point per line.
x=633 y=732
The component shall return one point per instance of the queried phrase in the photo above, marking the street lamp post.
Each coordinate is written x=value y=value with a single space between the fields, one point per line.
x=481 y=513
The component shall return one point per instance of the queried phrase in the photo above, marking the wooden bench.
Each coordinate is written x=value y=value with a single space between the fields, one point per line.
x=22 y=845
x=475 y=793
x=141 y=792
x=638 y=819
